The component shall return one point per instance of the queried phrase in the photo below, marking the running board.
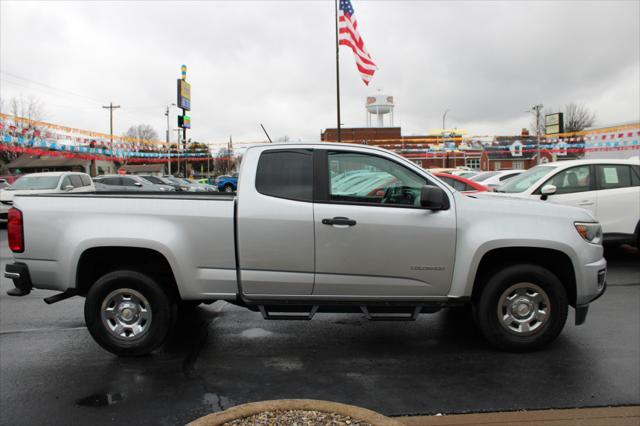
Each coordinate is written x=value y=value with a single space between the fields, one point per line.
x=372 y=313
x=391 y=316
x=270 y=315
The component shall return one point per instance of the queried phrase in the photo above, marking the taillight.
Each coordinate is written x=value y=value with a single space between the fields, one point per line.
x=15 y=230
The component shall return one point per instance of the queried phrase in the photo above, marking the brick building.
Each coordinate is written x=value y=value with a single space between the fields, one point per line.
x=521 y=152
x=425 y=150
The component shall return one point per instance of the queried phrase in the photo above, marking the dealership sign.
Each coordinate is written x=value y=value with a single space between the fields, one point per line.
x=554 y=123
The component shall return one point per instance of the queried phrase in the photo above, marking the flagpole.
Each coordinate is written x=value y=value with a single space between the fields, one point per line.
x=339 y=136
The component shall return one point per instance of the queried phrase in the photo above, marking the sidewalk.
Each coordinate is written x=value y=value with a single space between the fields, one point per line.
x=610 y=416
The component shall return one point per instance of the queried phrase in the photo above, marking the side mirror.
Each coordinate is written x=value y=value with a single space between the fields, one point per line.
x=138 y=184
x=69 y=188
x=547 y=190
x=433 y=198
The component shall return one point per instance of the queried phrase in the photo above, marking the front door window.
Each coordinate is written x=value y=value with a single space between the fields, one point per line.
x=368 y=179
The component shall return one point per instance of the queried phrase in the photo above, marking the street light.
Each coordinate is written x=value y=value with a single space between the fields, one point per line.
x=444 y=117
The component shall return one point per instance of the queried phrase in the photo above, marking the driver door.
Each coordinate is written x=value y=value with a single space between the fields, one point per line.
x=372 y=238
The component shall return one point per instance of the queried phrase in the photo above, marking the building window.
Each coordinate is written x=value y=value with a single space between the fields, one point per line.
x=516 y=149
x=561 y=149
x=473 y=163
x=496 y=165
x=418 y=162
x=518 y=164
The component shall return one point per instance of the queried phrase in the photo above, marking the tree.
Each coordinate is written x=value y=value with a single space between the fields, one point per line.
x=577 y=117
x=143 y=132
x=201 y=148
x=30 y=108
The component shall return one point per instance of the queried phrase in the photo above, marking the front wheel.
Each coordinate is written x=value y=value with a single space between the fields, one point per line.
x=522 y=308
x=128 y=313
x=228 y=188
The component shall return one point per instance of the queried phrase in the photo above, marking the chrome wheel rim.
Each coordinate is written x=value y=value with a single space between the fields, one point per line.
x=523 y=309
x=126 y=314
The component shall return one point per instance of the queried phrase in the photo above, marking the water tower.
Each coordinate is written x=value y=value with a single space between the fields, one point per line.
x=379 y=105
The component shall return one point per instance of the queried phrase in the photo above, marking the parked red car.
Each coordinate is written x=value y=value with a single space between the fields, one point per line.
x=461 y=184
x=9 y=178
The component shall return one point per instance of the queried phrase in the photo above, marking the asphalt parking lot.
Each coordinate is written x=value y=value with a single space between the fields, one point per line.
x=51 y=371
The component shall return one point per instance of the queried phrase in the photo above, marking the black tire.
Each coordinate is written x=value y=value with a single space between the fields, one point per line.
x=510 y=333
x=155 y=302
x=228 y=188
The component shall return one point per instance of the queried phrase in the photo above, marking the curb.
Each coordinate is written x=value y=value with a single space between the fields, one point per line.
x=246 y=410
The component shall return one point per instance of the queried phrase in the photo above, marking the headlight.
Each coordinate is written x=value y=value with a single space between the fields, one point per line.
x=591 y=232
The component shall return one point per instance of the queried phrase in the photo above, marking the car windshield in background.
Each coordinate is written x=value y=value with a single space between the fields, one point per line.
x=154 y=179
x=524 y=181
x=483 y=176
x=35 y=182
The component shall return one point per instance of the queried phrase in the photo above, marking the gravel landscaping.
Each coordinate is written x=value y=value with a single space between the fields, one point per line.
x=297 y=418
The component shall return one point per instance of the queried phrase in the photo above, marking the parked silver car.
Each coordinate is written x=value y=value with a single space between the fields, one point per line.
x=128 y=183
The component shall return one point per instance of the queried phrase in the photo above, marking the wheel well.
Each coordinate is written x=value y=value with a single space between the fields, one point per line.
x=96 y=262
x=555 y=261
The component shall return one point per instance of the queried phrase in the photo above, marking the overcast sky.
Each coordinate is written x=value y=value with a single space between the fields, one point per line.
x=273 y=62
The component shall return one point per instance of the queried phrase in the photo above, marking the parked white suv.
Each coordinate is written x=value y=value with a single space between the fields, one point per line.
x=610 y=189
x=44 y=183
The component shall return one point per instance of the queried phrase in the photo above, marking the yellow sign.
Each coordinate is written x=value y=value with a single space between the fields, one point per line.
x=447 y=131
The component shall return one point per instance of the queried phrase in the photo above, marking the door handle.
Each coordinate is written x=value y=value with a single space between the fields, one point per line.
x=344 y=221
x=585 y=203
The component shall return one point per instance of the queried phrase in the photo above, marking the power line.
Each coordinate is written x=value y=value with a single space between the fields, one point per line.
x=49 y=87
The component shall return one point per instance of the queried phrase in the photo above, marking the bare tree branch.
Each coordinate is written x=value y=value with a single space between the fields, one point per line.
x=143 y=132
x=577 y=117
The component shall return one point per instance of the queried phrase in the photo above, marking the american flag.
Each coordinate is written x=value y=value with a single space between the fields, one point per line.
x=348 y=36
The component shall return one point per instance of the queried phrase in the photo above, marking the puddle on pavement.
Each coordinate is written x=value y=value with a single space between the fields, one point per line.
x=284 y=364
x=101 y=400
x=254 y=333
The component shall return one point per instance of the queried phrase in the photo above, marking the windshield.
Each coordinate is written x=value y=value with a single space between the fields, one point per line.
x=153 y=179
x=143 y=180
x=483 y=176
x=35 y=182
x=524 y=181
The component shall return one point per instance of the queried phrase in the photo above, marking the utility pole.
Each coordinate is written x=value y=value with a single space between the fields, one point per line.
x=111 y=107
x=536 y=109
x=169 y=137
x=178 y=131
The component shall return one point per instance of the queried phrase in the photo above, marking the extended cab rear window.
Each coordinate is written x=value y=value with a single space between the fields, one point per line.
x=286 y=174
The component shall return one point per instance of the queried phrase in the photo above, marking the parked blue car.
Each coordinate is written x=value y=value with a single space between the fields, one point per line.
x=226 y=183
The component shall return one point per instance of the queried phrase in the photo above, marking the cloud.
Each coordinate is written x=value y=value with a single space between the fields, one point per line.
x=272 y=62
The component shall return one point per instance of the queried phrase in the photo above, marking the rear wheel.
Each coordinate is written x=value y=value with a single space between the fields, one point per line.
x=228 y=188
x=128 y=313
x=521 y=308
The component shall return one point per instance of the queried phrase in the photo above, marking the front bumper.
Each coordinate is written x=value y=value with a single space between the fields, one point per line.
x=19 y=274
x=594 y=286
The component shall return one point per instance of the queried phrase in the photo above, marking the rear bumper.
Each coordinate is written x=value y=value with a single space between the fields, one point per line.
x=19 y=274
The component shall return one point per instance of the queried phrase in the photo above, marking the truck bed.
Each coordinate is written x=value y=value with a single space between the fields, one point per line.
x=193 y=231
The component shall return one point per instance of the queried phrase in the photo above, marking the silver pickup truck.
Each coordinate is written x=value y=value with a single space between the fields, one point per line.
x=313 y=228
